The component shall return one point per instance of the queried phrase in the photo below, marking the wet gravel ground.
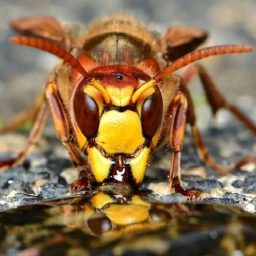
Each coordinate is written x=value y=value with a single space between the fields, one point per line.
x=47 y=172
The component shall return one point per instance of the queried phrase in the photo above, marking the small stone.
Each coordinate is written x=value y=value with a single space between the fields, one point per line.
x=17 y=185
x=69 y=174
x=250 y=180
x=39 y=169
x=26 y=164
x=204 y=185
x=38 y=162
x=58 y=164
x=191 y=178
x=43 y=175
x=196 y=172
x=238 y=183
x=53 y=190
x=211 y=200
x=251 y=189
x=253 y=202
x=250 y=167
x=38 y=184
x=171 y=198
x=248 y=184
x=8 y=183
x=238 y=172
x=234 y=196
x=62 y=181
x=160 y=188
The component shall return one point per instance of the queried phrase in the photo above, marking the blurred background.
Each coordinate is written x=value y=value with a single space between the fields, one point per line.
x=23 y=71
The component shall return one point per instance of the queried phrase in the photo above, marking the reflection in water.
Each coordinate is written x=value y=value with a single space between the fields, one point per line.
x=109 y=224
x=111 y=216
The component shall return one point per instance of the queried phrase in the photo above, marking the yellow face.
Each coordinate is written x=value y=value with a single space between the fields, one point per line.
x=117 y=127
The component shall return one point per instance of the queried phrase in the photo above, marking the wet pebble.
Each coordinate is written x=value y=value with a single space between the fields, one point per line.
x=223 y=201
x=17 y=185
x=53 y=190
x=43 y=175
x=251 y=189
x=8 y=183
x=238 y=183
x=191 y=178
x=57 y=164
x=253 y=202
x=62 y=181
x=12 y=173
x=69 y=175
x=17 y=199
x=172 y=198
x=204 y=185
x=237 y=171
x=248 y=184
x=234 y=196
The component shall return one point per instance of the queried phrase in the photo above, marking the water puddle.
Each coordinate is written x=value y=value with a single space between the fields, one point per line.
x=105 y=223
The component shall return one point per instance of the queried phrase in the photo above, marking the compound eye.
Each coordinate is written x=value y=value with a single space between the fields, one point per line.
x=86 y=113
x=151 y=114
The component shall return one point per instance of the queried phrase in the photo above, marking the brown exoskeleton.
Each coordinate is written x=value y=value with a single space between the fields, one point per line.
x=115 y=98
